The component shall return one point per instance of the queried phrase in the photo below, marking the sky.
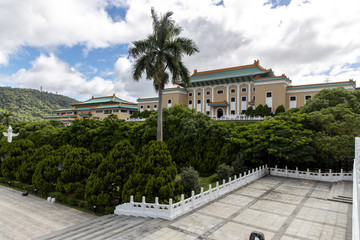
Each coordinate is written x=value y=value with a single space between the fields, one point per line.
x=79 y=48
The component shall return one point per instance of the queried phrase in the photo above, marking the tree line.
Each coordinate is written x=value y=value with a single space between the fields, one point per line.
x=102 y=163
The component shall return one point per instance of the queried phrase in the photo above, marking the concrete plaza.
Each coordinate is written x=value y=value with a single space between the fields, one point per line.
x=280 y=208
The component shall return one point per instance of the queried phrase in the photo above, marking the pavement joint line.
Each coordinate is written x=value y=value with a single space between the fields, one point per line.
x=292 y=216
x=295 y=237
x=322 y=223
x=187 y=232
x=349 y=224
x=247 y=206
x=231 y=204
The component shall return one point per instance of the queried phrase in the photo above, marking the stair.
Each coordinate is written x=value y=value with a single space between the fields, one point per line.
x=341 y=192
x=106 y=227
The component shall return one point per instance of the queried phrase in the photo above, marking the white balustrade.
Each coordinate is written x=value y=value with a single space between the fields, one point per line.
x=317 y=176
x=135 y=119
x=173 y=210
x=356 y=193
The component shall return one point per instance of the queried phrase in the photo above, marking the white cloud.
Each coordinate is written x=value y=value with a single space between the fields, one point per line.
x=55 y=75
x=304 y=40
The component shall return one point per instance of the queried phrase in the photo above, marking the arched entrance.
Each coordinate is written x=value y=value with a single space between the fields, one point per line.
x=219 y=112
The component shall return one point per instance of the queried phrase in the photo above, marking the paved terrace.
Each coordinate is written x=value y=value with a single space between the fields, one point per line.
x=280 y=208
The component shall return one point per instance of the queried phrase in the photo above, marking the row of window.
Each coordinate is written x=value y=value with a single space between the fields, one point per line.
x=233 y=99
x=112 y=111
x=233 y=90
x=307 y=97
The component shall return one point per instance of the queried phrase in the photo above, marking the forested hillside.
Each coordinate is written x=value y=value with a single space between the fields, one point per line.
x=30 y=104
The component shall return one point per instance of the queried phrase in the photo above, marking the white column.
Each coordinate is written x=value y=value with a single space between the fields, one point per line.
x=238 y=99
x=249 y=94
x=203 y=98
x=212 y=100
x=194 y=102
x=228 y=99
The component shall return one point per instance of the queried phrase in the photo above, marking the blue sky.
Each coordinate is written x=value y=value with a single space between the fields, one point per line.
x=79 y=48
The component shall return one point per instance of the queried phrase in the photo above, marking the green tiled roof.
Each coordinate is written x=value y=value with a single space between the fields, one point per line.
x=63 y=109
x=102 y=100
x=272 y=79
x=218 y=104
x=236 y=73
x=147 y=99
x=85 y=108
x=118 y=106
x=175 y=89
x=339 y=84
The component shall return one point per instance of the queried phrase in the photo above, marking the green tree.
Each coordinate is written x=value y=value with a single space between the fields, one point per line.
x=153 y=176
x=190 y=180
x=5 y=117
x=224 y=172
x=104 y=187
x=161 y=51
x=250 y=111
x=279 y=109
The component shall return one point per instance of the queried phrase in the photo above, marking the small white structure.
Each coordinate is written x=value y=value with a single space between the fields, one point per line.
x=10 y=134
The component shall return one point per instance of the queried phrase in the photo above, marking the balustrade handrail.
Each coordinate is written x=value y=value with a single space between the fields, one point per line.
x=173 y=210
x=356 y=192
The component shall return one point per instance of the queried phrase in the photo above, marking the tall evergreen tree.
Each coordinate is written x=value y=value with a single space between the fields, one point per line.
x=160 y=52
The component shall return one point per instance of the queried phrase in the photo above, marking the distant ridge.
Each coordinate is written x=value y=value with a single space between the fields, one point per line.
x=30 y=104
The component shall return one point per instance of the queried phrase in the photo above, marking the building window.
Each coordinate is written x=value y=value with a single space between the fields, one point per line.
x=233 y=90
x=253 y=89
x=190 y=94
x=220 y=91
x=190 y=102
x=293 y=98
x=243 y=111
x=208 y=100
x=207 y=112
x=169 y=101
x=108 y=112
x=148 y=106
x=268 y=94
x=124 y=111
x=307 y=97
x=232 y=99
x=208 y=93
x=99 y=111
x=69 y=113
x=141 y=107
x=116 y=110
x=232 y=112
x=199 y=93
x=199 y=101
x=254 y=98
x=243 y=99
x=243 y=89
x=131 y=112
x=155 y=106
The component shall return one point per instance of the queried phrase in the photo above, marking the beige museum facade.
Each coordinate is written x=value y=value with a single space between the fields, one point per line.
x=229 y=92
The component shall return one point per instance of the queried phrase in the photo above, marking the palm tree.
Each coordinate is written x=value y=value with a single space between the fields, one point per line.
x=161 y=51
x=5 y=117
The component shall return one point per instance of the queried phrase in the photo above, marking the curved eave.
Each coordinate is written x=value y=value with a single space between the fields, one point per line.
x=224 y=80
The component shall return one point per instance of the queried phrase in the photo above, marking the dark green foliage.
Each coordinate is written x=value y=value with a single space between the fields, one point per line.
x=30 y=104
x=143 y=114
x=250 y=112
x=153 y=176
x=280 y=109
x=224 y=172
x=238 y=165
x=190 y=180
x=104 y=186
x=17 y=153
x=281 y=140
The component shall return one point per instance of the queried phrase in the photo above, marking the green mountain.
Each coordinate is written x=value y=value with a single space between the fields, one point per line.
x=30 y=104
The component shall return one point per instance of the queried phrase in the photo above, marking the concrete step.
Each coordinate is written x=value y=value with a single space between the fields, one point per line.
x=341 y=192
x=106 y=227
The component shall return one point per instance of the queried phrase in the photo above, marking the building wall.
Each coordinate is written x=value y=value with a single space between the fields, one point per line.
x=176 y=98
x=278 y=93
x=300 y=98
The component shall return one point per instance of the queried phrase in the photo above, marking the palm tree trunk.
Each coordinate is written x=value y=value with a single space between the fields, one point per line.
x=159 y=125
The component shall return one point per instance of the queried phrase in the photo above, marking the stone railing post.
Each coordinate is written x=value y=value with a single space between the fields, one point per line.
x=170 y=209
x=297 y=172
x=210 y=193
x=286 y=171
x=193 y=199
x=307 y=173
x=182 y=204
x=143 y=203
x=131 y=199
x=341 y=175
x=156 y=207
x=320 y=175
x=330 y=175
